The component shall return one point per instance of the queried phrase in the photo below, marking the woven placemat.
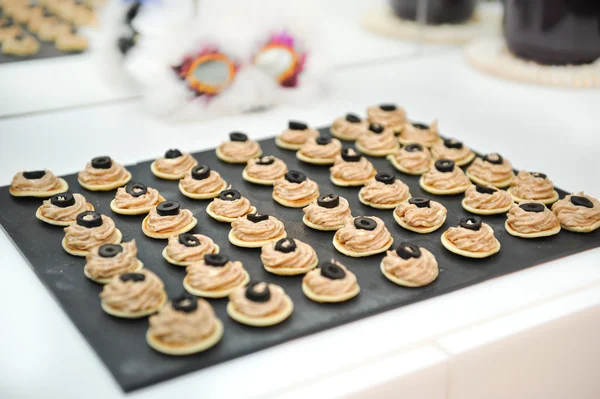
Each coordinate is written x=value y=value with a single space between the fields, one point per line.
x=383 y=21
x=490 y=55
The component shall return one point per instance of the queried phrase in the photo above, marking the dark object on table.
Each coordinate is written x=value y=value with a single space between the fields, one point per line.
x=554 y=32
x=438 y=11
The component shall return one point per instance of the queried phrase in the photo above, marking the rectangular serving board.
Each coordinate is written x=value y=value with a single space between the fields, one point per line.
x=47 y=50
x=121 y=343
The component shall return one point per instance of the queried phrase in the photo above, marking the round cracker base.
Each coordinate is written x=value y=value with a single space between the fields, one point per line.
x=224 y=219
x=177 y=263
x=340 y=136
x=546 y=201
x=168 y=176
x=376 y=153
x=38 y=214
x=380 y=206
x=227 y=159
x=254 y=180
x=136 y=315
x=404 y=283
x=329 y=299
x=350 y=183
x=291 y=271
x=424 y=144
x=163 y=236
x=353 y=254
x=485 y=211
x=137 y=211
x=64 y=186
x=201 y=346
x=140 y=265
x=464 y=161
x=420 y=230
x=402 y=169
x=261 y=321
x=315 y=161
x=435 y=191
x=538 y=234
x=500 y=184
x=586 y=229
x=294 y=204
x=468 y=254
x=105 y=187
x=214 y=294
x=252 y=244
x=203 y=196
x=319 y=227
x=117 y=239
x=287 y=146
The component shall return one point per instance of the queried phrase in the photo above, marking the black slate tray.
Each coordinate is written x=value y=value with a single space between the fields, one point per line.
x=47 y=50
x=121 y=344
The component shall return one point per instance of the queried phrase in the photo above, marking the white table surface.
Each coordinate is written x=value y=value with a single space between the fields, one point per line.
x=550 y=130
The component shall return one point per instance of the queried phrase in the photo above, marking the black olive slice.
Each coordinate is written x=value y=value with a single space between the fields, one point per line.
x=256 y=293
x=200 y=172
x=89 y=219
x=62 y=200
x=332 y=271
x=387 y=107
x=185 y=302
x=413 y=147
x=295 y=125
x=168 y=208
x=257 y=217
x=136 y=189
x=36 y=174
x=578 y=200
x=376 y=128
x=365 y=223
x=285 y=245
x=295 y=176
x=406 y=250
x=189 y=240
x=328 y=201
x=352 y=118
x=533 y=207
x=420 y=202
x=230 y=195
x=485 y=190
x=109 y=250
x=135 y=277
x=217 y=260
x=444 y=165
x=103 y=162
x=173 y=153
x=471 y=223
x=238 y=136
x=351 y=155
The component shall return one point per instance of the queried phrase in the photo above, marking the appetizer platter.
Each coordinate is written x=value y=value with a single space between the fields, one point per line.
x=191 y=259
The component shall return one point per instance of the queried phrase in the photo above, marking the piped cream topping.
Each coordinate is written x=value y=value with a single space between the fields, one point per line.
x=349 y=171
x=124 y=200
x=418 y=271
x=302 y=257
x=276 y=303
x=305 y=190
x=445 y=180
x=274 y=171
x=414 y=134
x=177 y=328
x=327 y=151
x=377 y=192
x=298 y=137
x=361 y=240
x=213 y=183
x=203 y=277
x=347 y=129
x=571 y=215
x=489 y=172
x=482 y=240
x=525 y=222
x=240 y=150
x=82 y=238
x=48 y=182
x=104 y=268
x=497 y=200
x=67 y=214
x=413 y=161
x=170 y=223
x=98 y=177
x=323 y=286
x=425 y=217
x=175 y=166
x=134 y=296
x=182 y=253
x=378 y=142
x=393 y=119
x=231 y=209
x=528 y=186
x=328 y=217
x=249 y=231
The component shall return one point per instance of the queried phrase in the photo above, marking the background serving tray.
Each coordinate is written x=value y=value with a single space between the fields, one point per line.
x=121 y=343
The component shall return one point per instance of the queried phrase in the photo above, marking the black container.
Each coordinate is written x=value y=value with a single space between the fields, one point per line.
x=438 y=11
x=554 y=32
